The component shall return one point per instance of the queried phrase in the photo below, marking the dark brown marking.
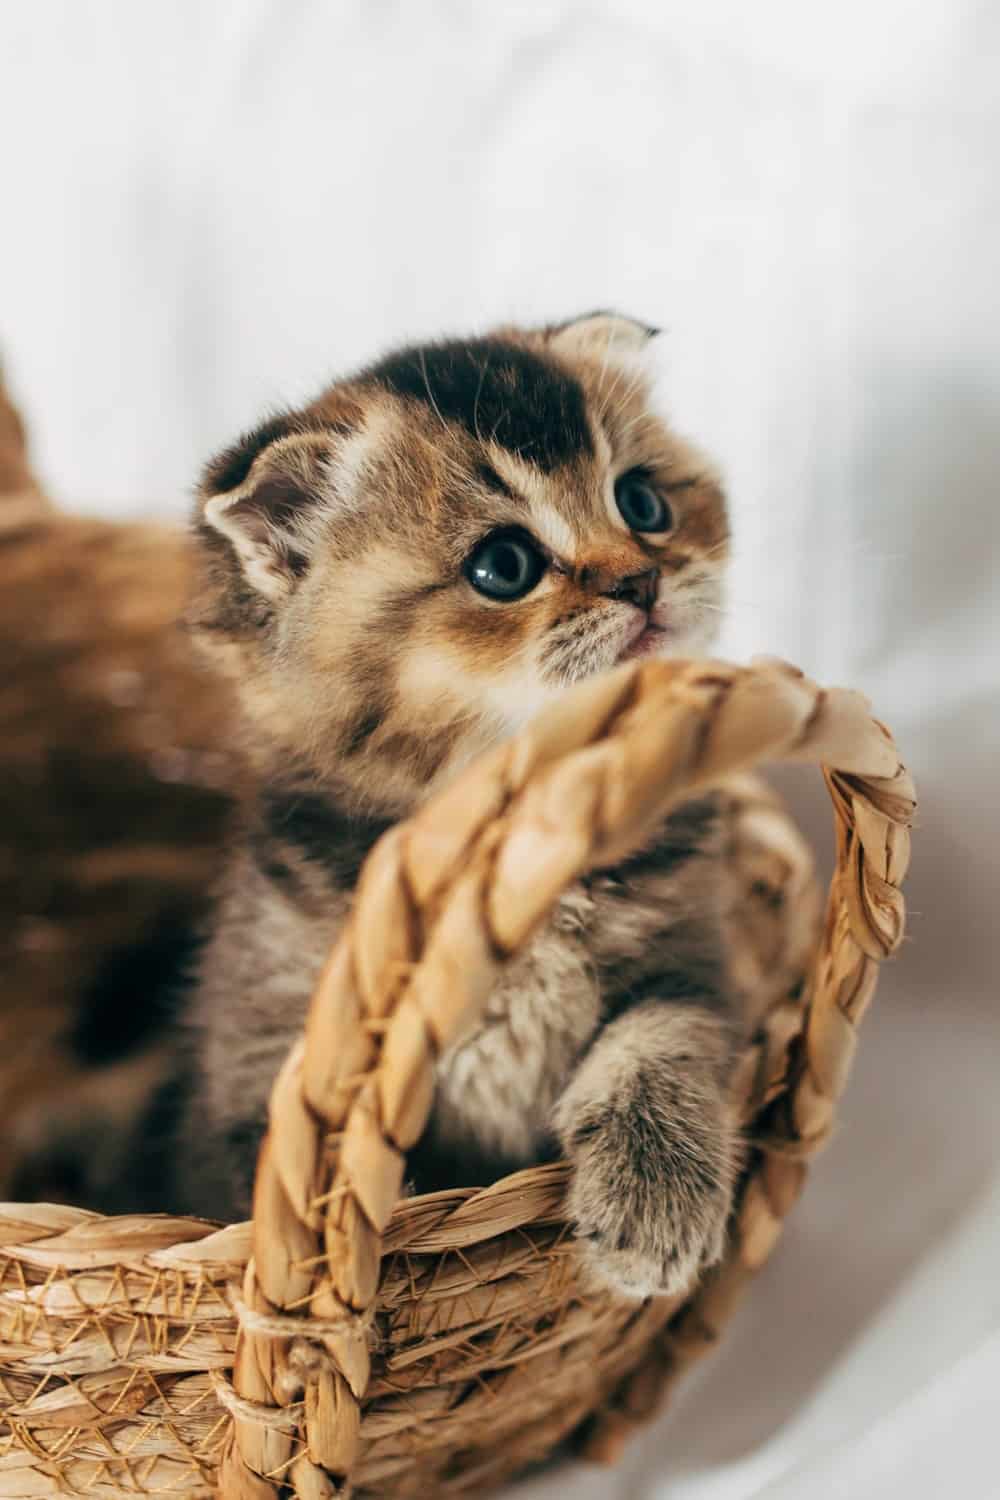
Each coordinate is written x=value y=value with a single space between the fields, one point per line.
x=496 y=390
x=425 y=753
x=361 y=728
x=321 y=832
x=136 y=992
x=229 y=470
x=489 y=478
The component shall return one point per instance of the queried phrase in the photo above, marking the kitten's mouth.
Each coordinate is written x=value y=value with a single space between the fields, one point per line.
x=648 y=642
x=645 y=638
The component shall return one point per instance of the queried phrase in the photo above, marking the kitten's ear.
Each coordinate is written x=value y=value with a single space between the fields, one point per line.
x=601 y=331
x=266 y=496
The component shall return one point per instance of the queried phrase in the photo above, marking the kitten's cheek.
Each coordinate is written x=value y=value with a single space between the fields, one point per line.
x=684 y=629
x=697 y=640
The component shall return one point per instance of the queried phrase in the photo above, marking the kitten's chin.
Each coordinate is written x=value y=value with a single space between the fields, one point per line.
x=652 y=640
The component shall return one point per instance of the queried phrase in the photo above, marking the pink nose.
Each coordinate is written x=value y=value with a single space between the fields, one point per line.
x=638 y=589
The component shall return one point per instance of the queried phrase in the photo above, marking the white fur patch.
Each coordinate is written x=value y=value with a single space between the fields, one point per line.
x=554 y=530
x=354 y=456
x=518 y=696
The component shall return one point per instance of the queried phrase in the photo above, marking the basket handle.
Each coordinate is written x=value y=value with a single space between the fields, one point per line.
x=444 y=899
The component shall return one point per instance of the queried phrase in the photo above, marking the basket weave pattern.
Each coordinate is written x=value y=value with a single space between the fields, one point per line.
x=353 y=1342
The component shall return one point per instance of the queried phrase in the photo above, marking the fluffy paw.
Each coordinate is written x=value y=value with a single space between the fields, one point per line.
x=650 y=1200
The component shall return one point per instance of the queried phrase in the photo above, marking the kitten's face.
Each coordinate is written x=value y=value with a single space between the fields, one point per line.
x=412 y=566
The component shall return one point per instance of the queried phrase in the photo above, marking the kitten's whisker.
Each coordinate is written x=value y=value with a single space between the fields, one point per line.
x=430 y=393
x=724 y=609
x=640 y=380
x=620 y=374
x=612 y=393
x=604 y=362
x=479 y=392
x=496 y=425
x=445 y=461
x=642 y=419
x=719 y=550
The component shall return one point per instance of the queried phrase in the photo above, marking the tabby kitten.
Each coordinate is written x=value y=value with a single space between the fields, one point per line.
x=396 y=576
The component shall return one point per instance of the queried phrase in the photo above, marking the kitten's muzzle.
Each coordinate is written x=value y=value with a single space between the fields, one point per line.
x=638 y=589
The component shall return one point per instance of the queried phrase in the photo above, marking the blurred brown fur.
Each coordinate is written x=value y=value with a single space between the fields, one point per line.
x=115 y=793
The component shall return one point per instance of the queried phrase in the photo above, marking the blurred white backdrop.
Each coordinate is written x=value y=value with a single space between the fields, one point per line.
x=210 y=208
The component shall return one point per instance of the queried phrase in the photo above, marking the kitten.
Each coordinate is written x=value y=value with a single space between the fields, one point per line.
x=396 y=576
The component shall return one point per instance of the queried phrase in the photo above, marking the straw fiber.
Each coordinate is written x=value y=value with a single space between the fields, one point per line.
x=355 y=1342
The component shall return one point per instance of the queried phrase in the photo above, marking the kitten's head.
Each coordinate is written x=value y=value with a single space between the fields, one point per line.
x=411 y=566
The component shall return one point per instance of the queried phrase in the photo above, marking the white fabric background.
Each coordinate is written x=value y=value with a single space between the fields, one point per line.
x=209 y=207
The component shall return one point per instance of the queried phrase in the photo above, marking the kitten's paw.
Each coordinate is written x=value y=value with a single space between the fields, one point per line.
x=650 y=1206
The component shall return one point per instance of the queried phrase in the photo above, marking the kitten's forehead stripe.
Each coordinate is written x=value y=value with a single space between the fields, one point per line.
x=554 y=530
x=491 y=480
x=498 y=392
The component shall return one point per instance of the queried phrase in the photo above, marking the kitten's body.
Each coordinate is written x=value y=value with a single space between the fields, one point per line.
x=351 y=589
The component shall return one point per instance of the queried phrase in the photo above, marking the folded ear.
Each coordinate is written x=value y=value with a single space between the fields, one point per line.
x=266 y=497
x=603 y=330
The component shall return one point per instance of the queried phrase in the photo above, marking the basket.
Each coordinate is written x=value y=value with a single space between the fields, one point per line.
x=353 y=1342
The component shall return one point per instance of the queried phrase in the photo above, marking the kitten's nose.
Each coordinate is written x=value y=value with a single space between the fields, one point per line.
x=638 y=589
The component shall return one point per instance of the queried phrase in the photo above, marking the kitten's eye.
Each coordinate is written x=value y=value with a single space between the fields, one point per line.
x=641 y=507
x=504 y=567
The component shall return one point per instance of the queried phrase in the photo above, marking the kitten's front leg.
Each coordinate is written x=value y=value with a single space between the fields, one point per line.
x=647 y=1126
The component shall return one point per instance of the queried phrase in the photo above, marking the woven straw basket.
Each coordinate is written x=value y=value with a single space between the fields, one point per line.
x=355 y=1342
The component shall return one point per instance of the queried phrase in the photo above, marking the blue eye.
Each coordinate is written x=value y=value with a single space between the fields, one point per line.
x=641 y=507
x=504 y=567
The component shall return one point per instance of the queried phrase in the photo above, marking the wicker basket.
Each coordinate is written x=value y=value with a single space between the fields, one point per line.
x=350 y=1342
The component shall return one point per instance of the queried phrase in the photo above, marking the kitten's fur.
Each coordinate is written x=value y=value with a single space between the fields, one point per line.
x=334 y=540
x=115 y=783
